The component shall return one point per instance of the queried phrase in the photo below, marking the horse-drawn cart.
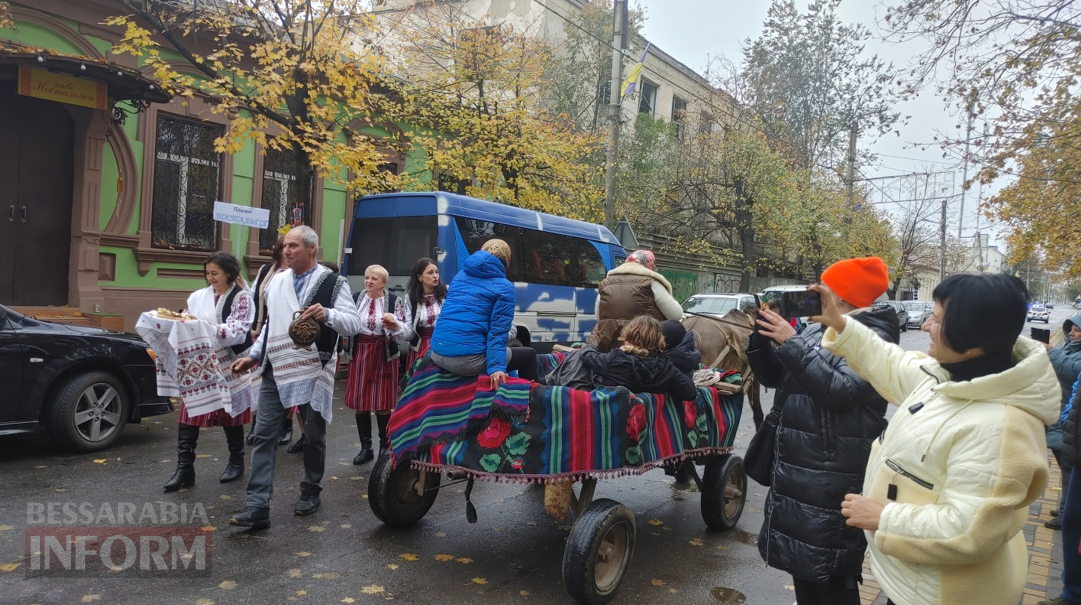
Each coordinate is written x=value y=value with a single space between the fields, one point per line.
x=448 y=430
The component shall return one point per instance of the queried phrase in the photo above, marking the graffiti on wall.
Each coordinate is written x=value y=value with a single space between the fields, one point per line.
x=724 y=283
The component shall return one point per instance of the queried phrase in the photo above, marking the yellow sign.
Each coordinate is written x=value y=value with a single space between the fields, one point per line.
x=42 y=84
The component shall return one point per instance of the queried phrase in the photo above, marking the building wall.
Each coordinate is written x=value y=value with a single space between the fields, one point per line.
x=132 y=274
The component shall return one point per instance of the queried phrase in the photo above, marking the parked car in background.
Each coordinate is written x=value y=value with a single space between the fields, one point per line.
x=82 y=383
x=918 y=312
x=1050 y=306
x=1036 y=313
x=717 y=304
x=899 y=308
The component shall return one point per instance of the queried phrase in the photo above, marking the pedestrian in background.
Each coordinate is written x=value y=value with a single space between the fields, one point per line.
x=1066 y=360
x=628 y=291
x=948 y=486
x=828 y=417
x=426 y=296
x=1070 y=514
x=258 y=294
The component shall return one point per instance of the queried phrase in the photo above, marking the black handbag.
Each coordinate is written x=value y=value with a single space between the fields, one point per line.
x=758 y=461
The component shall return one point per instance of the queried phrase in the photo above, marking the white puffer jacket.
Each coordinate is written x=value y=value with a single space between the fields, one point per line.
x=957 y=468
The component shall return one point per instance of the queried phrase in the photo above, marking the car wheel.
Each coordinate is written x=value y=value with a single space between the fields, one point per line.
x=87 y=412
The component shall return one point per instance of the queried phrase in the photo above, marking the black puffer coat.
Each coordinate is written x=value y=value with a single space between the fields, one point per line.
x=1071 y=435
x=639 y=374
x=685 y=356
x=829 y=418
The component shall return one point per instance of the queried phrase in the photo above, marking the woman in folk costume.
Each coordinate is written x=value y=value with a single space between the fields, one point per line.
x=227 y=306
x=258 y=293
x=426 y=296
x=373 y=379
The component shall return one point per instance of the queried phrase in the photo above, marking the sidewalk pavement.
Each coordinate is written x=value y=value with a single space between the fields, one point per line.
x=1044 y=552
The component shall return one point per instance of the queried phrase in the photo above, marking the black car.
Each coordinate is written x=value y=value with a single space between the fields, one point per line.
x=899 y=308
x=82 y=383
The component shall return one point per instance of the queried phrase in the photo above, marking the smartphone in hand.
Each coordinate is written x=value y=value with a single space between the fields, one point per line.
x=801 y=303
x=1041 y=335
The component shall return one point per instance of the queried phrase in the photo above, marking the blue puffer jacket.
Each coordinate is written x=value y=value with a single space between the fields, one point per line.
x=478 y=313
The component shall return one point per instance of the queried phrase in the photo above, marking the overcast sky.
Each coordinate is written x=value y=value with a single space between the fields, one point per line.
x=692 y=30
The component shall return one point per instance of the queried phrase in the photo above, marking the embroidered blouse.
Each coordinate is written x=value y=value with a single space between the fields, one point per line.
x=428 y=311
x=371 y=318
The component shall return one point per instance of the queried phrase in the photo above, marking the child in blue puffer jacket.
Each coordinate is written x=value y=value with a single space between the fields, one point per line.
x=470 y=337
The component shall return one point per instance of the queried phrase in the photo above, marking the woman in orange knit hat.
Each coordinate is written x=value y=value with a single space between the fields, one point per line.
x=826 y=418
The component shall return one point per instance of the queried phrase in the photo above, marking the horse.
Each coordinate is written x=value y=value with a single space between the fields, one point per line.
x=723 y=344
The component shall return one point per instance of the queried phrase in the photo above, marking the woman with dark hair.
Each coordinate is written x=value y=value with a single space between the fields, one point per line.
x=949 y=484
x=228 y=307
x=426 y=296
x=258 y=293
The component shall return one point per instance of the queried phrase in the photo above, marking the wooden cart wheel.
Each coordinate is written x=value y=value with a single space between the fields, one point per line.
x=598 y=552
x=724 y=492
x=394 y=494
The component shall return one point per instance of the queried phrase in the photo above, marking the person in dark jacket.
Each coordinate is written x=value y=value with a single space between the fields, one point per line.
x=639 y=364
x=829 y=417
x=470 y=337
x=1067 y=363
x=680 y=347
x=1070 y=513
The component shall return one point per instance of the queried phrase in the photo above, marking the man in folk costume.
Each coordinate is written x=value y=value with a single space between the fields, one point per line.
x=631 y=289
x=295 y=376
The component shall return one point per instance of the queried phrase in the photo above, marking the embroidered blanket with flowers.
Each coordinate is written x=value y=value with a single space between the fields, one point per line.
x=572 y=434
x=438 y=406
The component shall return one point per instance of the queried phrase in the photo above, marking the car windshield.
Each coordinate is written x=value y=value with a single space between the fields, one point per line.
x=915 y=307
x=719 y=305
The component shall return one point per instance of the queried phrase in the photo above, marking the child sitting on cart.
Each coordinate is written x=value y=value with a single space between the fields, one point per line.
x=639 y=365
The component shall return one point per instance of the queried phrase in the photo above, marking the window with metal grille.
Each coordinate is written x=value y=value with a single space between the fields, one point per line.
x=186 y=185
x=279 y=196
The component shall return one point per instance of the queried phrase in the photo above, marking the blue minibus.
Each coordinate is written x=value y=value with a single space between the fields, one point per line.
x=557 y=265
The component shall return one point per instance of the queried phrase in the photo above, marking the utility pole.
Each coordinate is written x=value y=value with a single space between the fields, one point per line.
x=619 y=44
x=964 y=172
x=979 y=205
x=850 y=172
x=942 y=244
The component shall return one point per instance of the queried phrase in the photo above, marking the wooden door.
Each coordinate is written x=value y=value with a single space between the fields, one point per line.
x=37 y=200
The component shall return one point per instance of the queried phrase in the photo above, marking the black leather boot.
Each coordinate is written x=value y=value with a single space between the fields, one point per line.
x=186 y=438
x=250 y=439
x=364 y=429
x=384 y=438
x=234 y=436
x=287 y=431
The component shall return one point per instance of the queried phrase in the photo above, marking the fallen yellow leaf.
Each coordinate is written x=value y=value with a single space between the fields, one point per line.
x=98 y=461
x=294 y=573
x=9 y=567
x=372 y=589
x=6 y=528
x=697 y=542
x=655 y=522
x=441 y=534
x=464 y=561
x=317 y=528
x=480 y=581
x=227 y=585
x=207 y=528
x=304 y=553
x=672 y=591
x=789 y=587
x=392 y=565
x=226 y=497
x=409 y=557
x=331 y=575
x=199 y=456
x=656 y=582
x=346 y=526
x=201 y=602
x=349 y=600
x=524 y=593
x=301 y=593
x=722 y=547
x=444 y=558
x=90 y=598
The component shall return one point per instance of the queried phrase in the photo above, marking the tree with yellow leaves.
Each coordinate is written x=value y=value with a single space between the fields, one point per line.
x=475 y=98
x=294 y=75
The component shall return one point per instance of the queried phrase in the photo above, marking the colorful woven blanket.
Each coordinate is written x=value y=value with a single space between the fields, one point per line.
x=548 y=362
x=571 y=434
x=438 y=406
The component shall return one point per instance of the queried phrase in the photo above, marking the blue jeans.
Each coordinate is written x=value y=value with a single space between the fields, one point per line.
x=1071 y=539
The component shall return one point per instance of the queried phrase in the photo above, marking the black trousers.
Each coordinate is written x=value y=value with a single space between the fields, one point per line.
x=837 y=592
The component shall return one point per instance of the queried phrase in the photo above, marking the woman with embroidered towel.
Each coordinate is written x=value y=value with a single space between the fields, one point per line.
x=373 y=373
x=426 y=296
x=229 y=307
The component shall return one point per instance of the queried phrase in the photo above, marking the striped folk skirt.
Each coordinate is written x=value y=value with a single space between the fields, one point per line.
x=215 y=418
x=373 y=382
x=422 y=349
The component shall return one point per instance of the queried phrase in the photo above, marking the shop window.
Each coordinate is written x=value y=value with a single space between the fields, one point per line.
x=280 y=196
x=187 y=176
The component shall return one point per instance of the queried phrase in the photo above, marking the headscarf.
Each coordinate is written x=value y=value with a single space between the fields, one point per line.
x=644 y=258
x=499 y=249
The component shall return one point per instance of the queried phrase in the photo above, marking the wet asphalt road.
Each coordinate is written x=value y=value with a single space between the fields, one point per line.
x=513 y=554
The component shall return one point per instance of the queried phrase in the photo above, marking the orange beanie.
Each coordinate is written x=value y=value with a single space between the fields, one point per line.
x=858 y=281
